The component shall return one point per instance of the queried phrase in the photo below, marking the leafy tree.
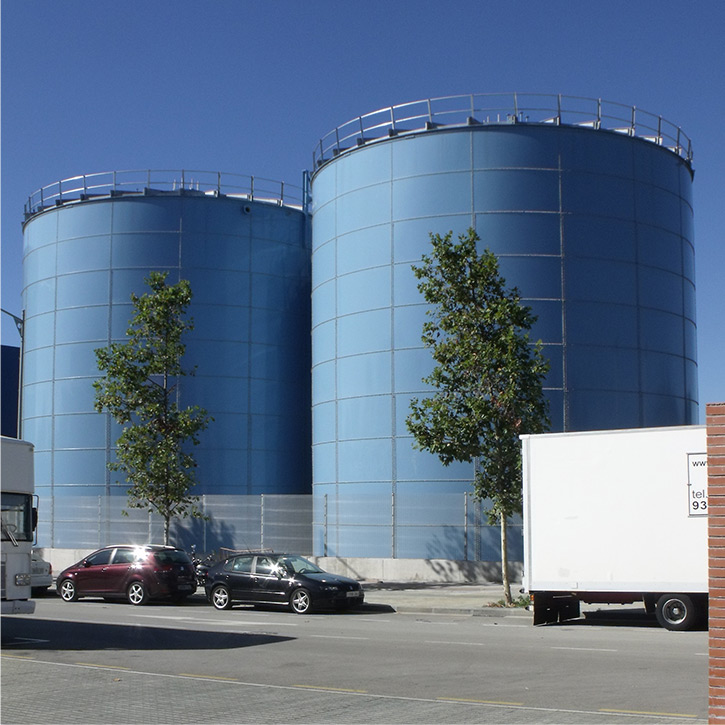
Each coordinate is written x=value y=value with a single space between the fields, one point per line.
x=488 y=378
x=140 y=390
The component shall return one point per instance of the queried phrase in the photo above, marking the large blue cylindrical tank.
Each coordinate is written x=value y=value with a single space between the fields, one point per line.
x=587 y=206
x=88 y=244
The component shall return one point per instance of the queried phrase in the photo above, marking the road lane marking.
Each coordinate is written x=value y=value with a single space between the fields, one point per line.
x=455 y=644
x=208 y=677
x=17 y=657
x=335 y=636
x=586 y=649
x=224 y=622
x=103 y=667
x=647 y=712
x=330 y=689
x=482 y=702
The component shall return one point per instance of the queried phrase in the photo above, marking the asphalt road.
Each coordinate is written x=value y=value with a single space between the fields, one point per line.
x=98 y=662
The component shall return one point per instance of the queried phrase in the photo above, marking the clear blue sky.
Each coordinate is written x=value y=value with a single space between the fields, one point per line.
x=249 y=87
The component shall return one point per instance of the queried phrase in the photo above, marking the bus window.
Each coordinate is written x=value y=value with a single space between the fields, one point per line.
x=17 y=517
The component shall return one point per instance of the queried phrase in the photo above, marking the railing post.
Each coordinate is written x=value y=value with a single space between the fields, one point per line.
x=324 y=527
x=558 y=109
x=251 y=188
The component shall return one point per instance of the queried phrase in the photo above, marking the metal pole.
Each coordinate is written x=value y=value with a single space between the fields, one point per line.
x=393 y=523
x=324 y=528
x=465 y=527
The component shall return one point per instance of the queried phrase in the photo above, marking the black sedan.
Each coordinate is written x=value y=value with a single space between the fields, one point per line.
x=279 y=579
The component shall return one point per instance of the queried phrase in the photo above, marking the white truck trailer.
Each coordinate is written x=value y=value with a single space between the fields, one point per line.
x=19 y=519
x=617 y=516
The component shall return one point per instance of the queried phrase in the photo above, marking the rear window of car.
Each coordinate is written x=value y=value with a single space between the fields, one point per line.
x=172 y=556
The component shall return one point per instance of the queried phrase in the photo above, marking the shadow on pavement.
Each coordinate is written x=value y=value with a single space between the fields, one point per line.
x=46 y=634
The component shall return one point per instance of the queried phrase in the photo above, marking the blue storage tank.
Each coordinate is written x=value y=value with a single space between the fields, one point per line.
x=243 y=243
x=587 y=205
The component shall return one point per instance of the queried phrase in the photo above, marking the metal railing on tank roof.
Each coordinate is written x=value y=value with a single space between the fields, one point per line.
x=496 y=109
x=118 y=183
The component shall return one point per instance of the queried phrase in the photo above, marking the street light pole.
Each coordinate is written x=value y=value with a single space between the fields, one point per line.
x=20 y=324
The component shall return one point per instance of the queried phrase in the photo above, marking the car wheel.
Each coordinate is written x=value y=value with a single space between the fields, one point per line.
x=220 y=597
x=67 y=590
x=301 y=601
x=677 y=612
x=136 y=594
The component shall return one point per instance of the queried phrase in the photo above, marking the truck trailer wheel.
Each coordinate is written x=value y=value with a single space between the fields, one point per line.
x=677 y=612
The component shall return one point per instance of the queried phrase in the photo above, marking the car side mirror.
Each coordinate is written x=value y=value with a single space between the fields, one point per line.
x=86 y=563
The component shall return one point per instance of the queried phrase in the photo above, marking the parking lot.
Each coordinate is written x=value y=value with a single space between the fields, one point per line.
x=106 y=662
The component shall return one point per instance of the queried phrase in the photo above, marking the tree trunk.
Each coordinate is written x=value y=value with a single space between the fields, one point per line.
x=166 y=530
x=505 y=562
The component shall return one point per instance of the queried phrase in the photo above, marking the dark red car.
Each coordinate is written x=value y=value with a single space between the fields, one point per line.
x=136 y=573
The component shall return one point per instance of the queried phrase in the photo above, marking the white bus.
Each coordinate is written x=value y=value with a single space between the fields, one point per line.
x=19 y=519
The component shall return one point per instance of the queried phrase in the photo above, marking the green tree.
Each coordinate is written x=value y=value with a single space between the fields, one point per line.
x=140 y=391
x=487 y=380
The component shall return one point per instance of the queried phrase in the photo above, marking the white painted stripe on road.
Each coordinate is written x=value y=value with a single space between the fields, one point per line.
x=225 y=622
x=586 y=649
x=455 y=644
x=335 y=636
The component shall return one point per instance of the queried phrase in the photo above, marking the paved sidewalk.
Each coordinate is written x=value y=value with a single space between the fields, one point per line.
x=442 y=598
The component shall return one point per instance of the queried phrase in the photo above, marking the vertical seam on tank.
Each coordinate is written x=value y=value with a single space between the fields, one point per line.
x=637 y=301
x=250 y=343
x=52 y=399
x=109 y=339
x=685 y=386
x=393 y=392
x=336 y=452
x=562 y=267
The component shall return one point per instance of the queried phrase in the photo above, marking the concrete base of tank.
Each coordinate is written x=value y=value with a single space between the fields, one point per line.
x=418 y=570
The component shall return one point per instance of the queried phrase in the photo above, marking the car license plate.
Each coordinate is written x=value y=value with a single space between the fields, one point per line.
x=354 y=594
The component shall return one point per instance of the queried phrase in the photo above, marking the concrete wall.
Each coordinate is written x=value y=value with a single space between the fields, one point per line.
x=390 y=570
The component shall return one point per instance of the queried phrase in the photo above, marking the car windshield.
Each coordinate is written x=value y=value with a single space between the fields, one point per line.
x=300 y=565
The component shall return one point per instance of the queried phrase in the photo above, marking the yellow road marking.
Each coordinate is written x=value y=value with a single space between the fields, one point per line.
x=330 y=689
x=209 y=677
x=647 y=712
x=482 y=702
x=17 y=657
x=105 y=667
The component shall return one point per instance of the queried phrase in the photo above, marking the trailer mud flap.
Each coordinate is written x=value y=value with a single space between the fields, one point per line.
x=553 y=608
